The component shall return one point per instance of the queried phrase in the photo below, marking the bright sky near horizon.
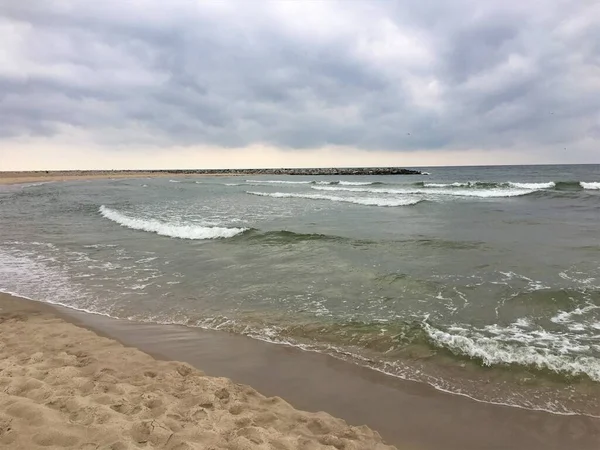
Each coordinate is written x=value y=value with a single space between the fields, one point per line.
x=226 y=84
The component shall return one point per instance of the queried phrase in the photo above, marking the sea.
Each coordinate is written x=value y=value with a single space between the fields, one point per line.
x=479 y=281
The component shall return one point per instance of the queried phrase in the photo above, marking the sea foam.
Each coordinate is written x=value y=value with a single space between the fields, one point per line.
x=590 y=185
x=481 y=193
x=497 y=345
x=367 y=201
x=169 y=229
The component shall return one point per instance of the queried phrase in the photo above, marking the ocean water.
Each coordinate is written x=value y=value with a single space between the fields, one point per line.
x=481 y=281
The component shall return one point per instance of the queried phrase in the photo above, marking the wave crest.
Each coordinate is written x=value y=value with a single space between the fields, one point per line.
x=493 y=350
x=481 y=193
x=366 y=201
x=195 y=232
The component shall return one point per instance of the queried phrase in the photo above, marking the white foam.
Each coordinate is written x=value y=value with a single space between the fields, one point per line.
x=345 y=183
x=355 y=183
x=367 y=201
x=29 y=276
x=466 y=184
x=174 y=181
x=590 y=185
x=40 y=183
x=480 y=184
x=443 y=185
x=482 y=193
x=567 y=316
x=100 y=246
x=535 y=186
x=169 y=229
x=513 y=345
x=523 y=322
x=277 y=182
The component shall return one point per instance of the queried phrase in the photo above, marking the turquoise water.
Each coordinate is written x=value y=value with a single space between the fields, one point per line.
x=483 y=281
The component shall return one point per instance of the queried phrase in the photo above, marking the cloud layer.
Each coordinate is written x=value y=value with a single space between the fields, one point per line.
x=392 y=76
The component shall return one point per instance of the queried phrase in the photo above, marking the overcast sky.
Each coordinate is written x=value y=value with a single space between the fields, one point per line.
x=249 y=83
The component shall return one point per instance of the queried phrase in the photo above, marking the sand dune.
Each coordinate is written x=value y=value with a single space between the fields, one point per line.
x=62 y=386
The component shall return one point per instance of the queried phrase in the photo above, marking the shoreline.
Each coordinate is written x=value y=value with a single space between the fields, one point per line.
x=405 y=413
x=12 y=178
x=66 y=386
x=71 y=175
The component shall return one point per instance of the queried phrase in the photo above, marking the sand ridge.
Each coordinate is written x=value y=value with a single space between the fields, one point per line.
x=62 y=386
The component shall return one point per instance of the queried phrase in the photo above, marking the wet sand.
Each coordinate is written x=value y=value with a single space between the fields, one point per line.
x=409 y=415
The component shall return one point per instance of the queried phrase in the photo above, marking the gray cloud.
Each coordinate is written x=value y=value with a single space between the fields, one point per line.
x=373 y=75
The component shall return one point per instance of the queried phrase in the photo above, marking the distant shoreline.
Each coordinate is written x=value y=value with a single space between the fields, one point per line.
x=66 y=175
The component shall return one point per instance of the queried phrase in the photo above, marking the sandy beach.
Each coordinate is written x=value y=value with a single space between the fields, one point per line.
x=43 y=176
x=63 y=386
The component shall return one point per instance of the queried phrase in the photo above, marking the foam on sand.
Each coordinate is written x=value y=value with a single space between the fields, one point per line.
x=167 y=228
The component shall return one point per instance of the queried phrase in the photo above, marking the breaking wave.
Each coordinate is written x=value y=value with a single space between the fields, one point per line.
x=482 y=193
x=549 y=185
x=277 y=182
x=515 y=344
x=169 y=229
x=590 y=185
x=320 y=182
x=367 y=201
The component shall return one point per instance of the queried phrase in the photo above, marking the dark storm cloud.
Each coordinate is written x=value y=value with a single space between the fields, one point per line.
x=372 y=75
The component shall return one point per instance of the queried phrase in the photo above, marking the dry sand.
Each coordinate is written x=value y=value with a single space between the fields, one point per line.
x=62 y=386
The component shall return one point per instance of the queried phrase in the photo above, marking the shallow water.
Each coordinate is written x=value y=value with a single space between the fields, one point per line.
x=463 y=277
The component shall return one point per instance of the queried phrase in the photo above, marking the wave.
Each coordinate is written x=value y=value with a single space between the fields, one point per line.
x=356 y=183
x=288 y=237
x=320 y=182
x=278 y=182
x=169 y=229
x=534 y=186
x=39 y=183
x=484 y=184
x=568 y=186
x=489 y=193
x=548 y=185
x=519 y=344
x=366 y=201
x=469 y=184
x=515 y=345
x=384 y=343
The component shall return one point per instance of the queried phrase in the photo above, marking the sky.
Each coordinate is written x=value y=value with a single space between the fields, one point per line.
x=155 y=84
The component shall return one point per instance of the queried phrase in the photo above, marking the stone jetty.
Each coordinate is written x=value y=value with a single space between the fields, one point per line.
x=306 y=172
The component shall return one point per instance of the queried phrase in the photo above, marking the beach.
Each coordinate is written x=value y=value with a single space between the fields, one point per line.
x=66 y=387
x=78 y=175
x=403 y=304
x=76 y=380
